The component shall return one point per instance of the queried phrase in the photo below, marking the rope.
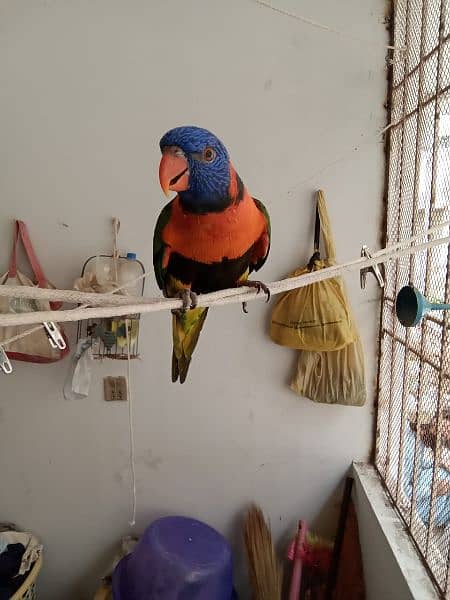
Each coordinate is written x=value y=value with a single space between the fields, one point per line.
x=19 y=336
x=24 y=334
x=326 y=28
x=130 y=421
x=222 y=297
x=111 y=299
x=114 y=299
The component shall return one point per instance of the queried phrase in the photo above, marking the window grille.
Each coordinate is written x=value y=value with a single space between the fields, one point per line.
x=413 y=422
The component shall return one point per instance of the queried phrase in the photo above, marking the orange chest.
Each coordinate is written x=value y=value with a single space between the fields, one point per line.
x=214 y=236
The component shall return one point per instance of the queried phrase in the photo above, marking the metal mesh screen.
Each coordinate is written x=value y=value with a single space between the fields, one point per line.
x=413 y=426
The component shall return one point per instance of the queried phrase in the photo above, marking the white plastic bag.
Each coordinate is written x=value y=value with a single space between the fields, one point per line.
x=78 y=378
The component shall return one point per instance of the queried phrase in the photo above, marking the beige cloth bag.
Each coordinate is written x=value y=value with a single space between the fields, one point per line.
x=35 y=347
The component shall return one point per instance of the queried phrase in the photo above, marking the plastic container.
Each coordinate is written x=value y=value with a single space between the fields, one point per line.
x=129 y=270
x=108 y=336
x=105 y=269
x=177 y=557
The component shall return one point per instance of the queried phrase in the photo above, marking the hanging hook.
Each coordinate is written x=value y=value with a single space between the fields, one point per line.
x=365 y=253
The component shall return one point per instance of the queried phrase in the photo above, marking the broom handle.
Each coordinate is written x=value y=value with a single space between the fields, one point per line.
x=296 y=579
x=339 y=539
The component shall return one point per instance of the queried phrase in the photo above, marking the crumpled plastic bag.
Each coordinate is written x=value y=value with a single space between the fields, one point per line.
x=332 y=377
x=78 y=378
x=90 y=283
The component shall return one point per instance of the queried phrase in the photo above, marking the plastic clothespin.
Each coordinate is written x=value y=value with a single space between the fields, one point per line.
x=5 y=364
x=374 y=269
x=54 y=336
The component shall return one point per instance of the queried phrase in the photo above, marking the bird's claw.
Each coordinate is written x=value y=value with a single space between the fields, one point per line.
x=190 y=301
x=258 y=285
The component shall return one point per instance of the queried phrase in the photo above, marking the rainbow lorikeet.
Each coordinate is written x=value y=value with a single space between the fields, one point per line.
x=211 y=236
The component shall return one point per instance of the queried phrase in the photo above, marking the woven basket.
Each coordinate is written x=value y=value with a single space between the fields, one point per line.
x=27 y=590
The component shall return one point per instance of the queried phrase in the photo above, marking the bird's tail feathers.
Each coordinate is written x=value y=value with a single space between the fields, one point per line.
x=186 y=331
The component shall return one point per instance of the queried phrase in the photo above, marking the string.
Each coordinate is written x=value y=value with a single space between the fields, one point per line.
x=19 y=336
x=326 y=28
x=131 y=430
x=116 y=227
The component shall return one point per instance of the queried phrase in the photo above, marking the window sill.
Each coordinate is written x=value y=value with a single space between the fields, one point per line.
x=393 y=569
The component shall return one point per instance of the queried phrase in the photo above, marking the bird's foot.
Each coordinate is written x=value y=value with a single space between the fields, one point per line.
x=258 y=285
x=190 y=301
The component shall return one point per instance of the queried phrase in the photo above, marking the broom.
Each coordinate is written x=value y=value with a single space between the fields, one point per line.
x=265 y=572
x=313 y=552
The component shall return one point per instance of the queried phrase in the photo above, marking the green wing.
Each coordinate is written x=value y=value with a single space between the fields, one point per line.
x=159 y=246
x=263 y=209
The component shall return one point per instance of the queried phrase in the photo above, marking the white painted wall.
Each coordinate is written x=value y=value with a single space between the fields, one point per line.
x=86 y=90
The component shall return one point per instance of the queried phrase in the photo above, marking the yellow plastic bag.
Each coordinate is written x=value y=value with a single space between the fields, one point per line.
x=315 y=317
x=332 y=377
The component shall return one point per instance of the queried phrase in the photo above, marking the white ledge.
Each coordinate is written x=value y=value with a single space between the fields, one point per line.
x=393 y=569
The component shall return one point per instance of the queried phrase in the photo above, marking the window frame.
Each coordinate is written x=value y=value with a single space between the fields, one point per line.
x=410 y=186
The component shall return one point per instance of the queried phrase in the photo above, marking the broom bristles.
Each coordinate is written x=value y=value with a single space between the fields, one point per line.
x=265 y=572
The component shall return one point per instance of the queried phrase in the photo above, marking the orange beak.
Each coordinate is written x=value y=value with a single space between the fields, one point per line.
x=173 y=173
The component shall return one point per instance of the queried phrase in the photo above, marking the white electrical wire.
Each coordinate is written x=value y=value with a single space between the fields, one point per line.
x=131 y=429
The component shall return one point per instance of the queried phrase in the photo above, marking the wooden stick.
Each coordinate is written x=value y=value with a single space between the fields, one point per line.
x=339 y=539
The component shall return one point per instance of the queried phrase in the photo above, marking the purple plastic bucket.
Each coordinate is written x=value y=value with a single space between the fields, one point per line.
x=177 y=558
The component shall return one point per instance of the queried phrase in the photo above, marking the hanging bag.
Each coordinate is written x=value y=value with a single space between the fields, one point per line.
x=35 y=347
x=330 y=366
x=332 y=377
x=316 y=316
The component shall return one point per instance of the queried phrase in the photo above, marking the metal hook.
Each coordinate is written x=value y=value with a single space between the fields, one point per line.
x=374 y=269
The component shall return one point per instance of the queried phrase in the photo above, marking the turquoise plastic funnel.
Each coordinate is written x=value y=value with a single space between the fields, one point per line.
x=411 y=306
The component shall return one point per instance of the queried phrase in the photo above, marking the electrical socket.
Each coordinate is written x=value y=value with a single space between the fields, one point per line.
x=115 y=388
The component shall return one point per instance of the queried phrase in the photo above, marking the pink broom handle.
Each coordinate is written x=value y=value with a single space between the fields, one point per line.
x=296 y=579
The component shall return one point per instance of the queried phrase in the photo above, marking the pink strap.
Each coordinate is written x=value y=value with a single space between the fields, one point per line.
x=12 y=271
x=22 y=232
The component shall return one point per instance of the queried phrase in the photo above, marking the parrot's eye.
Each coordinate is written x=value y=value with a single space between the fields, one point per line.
x=209 y=154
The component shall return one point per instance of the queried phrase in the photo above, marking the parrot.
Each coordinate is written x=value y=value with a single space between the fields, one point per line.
x=209 y=237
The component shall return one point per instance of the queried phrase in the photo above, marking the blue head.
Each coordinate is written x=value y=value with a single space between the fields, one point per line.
x=195 y=164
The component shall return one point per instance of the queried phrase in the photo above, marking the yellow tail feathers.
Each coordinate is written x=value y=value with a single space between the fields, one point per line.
x=186 y=330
